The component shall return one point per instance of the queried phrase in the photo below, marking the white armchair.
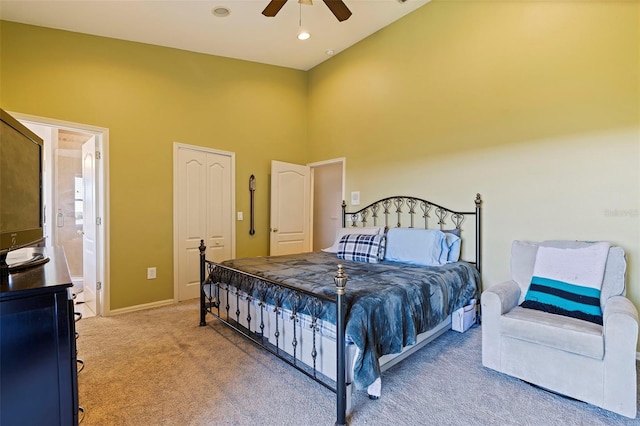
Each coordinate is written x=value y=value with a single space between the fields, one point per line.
x=580 y=359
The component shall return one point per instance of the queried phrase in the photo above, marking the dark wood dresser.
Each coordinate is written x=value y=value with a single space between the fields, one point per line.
x=38 y=373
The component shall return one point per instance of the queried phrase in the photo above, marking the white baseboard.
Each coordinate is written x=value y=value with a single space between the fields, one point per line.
x=142 y=307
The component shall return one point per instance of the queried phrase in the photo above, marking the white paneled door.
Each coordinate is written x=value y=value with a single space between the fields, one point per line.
x=203 y=210
x=290 y=208
x=89 y=224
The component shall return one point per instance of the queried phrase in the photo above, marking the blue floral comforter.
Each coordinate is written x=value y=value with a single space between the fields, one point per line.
x=388 y=303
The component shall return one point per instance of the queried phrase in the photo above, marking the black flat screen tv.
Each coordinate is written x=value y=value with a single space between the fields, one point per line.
x=21 y=202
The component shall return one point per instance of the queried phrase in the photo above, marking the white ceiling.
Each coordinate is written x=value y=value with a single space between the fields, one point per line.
x=190 y=25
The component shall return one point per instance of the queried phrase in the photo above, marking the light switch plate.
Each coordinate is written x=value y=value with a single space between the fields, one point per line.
x=355 y=198
x=151 y=273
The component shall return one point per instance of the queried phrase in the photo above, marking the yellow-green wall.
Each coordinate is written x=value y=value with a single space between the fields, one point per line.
x=150 y=97
x=536 y=105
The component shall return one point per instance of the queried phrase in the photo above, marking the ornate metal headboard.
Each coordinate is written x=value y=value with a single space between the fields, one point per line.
x=401 y=208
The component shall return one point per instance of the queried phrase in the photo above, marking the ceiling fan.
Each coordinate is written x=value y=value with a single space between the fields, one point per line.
x=337 y=7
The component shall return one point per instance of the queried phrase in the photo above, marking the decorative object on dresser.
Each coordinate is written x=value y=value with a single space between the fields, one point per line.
x=368 y=315
x=38 y=376
x=563 y=323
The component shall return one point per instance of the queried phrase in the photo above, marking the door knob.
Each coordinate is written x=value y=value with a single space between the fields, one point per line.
x=275 y=229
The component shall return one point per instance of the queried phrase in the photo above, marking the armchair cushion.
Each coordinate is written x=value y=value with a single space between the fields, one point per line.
x=556 y=331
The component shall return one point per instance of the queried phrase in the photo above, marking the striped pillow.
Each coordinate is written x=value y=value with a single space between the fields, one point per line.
x=568 y=281
x=557 y=297
x=362 y=248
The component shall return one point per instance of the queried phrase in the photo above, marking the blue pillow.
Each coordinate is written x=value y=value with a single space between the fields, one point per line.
x=425 y=247
x=453 y=246
x=362 y=247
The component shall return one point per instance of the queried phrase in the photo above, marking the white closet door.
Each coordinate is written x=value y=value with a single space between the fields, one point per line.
x=219 y=215
x=204 y=211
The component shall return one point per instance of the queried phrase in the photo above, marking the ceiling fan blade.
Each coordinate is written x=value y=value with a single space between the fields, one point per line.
x=273 y=7
x=339 y=9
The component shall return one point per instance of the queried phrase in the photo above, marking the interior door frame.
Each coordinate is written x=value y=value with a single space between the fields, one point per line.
x=102 y=195
x=318 y=164
x=339 y=160
x=176 y=147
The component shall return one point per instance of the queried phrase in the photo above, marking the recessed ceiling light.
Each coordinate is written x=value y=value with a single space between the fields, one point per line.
x=331 y=52
x=221 y=11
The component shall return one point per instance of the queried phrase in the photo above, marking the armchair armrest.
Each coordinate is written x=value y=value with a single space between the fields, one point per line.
x=620 y=325
x=496 y=300
x=615 y=306
x=501 y=297
x=620 y=328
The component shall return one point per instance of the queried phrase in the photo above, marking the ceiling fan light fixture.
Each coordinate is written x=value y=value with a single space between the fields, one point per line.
x=303 y=35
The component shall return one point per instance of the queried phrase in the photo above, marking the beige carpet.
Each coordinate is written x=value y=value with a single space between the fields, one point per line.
x=159 y=367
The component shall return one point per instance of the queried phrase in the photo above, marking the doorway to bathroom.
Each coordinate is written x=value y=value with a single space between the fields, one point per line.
x=75 y=166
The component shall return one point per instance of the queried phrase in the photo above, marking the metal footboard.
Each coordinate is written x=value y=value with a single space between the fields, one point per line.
x=264 y=324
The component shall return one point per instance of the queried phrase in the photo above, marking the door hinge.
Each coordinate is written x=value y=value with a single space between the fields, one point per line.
x=98 y=221
x=98 y=155
x=99 y=285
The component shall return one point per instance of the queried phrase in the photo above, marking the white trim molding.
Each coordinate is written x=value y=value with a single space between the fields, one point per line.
x=142 y=307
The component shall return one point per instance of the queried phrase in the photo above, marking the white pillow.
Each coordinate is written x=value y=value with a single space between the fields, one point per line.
x=341 y=232
x=427 y=247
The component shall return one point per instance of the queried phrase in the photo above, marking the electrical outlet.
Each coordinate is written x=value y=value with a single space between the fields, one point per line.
x=151 y=273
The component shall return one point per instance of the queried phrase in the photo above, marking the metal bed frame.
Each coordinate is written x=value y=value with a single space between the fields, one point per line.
x=387 y=207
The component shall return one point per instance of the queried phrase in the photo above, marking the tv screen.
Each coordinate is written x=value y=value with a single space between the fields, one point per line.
x=21 y=207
